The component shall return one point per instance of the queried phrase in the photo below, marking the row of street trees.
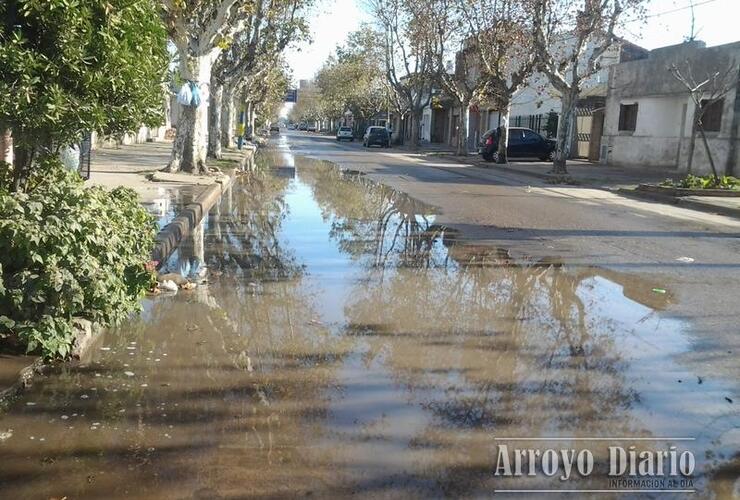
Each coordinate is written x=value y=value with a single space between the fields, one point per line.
x=99 y=65
x=227 y=48
x=496 y=45
x=478 y=52
x=71 y=252
x=95 y=65
x=352 y=79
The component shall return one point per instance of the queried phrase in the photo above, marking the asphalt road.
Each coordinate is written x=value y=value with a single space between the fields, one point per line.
x=579 y=227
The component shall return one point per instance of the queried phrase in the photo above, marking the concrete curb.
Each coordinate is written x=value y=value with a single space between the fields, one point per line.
x=535 y=175
x=680 y=192
x=86 y=337
x=680 y=201
x=25 y=376
x=640 y=194
x=173 y=233
x=498 y=166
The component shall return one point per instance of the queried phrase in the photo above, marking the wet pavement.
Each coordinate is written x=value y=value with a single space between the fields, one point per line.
x=347 y=343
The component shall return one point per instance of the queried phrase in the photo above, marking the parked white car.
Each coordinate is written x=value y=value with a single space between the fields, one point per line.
x=345 y=133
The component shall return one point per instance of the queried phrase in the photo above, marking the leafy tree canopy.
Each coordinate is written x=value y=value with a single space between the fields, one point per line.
x=74 y=65
x=353 y=79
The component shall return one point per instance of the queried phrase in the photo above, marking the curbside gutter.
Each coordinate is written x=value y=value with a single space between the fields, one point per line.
x=680 y=201
x=173 y=233
x=644 y=192
x=25 y=375
x=88 y=334
x=680 y=192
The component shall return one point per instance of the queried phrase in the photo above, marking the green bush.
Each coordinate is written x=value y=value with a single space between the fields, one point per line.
x=67 y=251
x=703 y=182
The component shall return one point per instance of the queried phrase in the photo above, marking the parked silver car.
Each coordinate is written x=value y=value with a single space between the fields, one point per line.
x=345 y=133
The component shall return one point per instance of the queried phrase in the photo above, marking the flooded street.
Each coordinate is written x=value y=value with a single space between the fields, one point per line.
x=346 y=343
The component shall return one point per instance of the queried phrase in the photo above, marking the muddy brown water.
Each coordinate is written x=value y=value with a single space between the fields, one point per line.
x=348 y=344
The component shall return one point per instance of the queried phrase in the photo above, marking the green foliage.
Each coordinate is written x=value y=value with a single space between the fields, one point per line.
x=67 y=251
x=270 y=90
x=704 y=182
x=354 y=79
x=74 y=65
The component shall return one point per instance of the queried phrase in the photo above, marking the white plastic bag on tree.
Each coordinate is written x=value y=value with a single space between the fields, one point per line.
x=185 y=95
x=196 y=98
x=70 y=156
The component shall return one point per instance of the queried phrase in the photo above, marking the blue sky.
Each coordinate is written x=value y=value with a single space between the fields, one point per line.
x=668 y=24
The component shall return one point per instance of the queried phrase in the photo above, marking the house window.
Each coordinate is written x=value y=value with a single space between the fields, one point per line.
x=711 y=119
x=627 y=117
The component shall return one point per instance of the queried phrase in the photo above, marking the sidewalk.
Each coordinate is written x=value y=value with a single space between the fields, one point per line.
x=620 y=179
x=581 y=171
x=138 y=167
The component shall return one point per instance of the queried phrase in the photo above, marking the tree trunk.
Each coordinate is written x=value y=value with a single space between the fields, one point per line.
x=214 y=120
x=6 y=146
x=462 y=130
x=190 y=148
x=252 y=118
x=503 y=140
x=709 y=155
x=247 y=120
x=415 y=128
x=692 y=139
x=401 y=134
x=459 y=138
x=228 y=117
x=22 y=161
x=565 y=129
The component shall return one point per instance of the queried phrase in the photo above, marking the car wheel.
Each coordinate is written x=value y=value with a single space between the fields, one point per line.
x=548 y=157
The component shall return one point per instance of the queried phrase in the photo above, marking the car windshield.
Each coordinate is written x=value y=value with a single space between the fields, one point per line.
x=345 y=129
x=377 y=131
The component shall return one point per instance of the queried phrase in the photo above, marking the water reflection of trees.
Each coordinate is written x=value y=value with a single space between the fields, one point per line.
x=481 y=339
x=243 y=230
x=370 y=222
x=228 y=381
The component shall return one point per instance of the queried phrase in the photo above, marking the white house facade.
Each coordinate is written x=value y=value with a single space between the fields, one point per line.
x=650 y=115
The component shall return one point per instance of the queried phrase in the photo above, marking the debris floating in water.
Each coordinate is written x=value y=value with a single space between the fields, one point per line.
x=168 y=286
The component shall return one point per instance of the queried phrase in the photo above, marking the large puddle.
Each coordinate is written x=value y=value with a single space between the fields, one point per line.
x=347 y=344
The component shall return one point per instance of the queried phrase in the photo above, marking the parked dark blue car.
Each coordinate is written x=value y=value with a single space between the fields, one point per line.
x=377 y=135
x=523 y=143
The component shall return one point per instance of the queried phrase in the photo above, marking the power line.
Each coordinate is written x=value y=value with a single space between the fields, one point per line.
x=691 y=6
x=658 y=14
